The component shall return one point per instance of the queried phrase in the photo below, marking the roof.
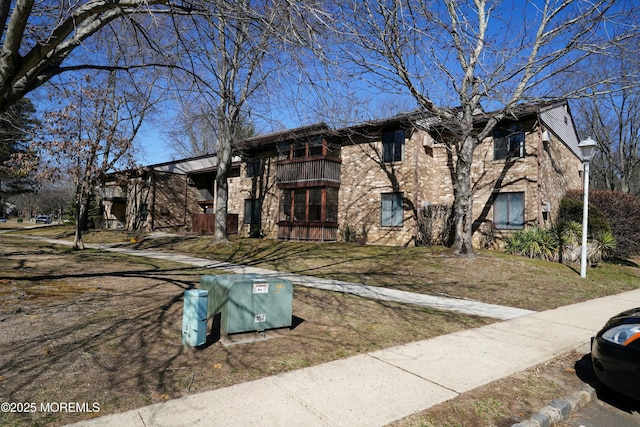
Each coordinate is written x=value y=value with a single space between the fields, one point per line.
x=554 y=118
x=521 y=111
x=185 y=166
x=287 y=135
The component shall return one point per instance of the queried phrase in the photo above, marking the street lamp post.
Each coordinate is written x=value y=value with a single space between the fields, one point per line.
x=587 y=149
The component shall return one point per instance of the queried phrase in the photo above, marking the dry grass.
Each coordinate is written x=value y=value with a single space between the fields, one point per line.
x=490 y=277
x=97 y=327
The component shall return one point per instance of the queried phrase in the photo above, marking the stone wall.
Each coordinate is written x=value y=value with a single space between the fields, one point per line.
x=243 y=187
x=425 y=177
x=174 y=203
x=364 y=178
x=560 y=172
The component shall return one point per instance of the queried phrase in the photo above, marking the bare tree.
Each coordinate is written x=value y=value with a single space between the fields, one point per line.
x=90 y=136
x=458 y=57
x=195 y=134
x=611 y=115
x=38 y=37
x=235 y=48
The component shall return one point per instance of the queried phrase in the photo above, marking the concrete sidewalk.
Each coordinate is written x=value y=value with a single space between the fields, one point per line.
x=441 y=303
x=377 y=388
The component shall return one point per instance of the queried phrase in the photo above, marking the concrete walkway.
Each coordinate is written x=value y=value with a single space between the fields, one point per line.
x=463 y=306
x=374 y=292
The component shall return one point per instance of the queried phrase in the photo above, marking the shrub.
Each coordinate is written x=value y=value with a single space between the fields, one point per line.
x=622 y=212
x=561 y=242
x=534 y=242
x=349 y=233
x=567 y=235
x=435 y=225
x=604 y=245
x=570 y=209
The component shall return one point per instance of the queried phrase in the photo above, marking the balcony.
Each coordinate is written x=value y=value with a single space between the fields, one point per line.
x=319 y=171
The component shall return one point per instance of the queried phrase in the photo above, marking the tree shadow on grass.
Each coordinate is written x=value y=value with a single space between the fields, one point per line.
x=113 y=335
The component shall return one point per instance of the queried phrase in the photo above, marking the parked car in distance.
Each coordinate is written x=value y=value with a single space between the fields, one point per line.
x=3 y=219
x=615 y=353
x=43 y=219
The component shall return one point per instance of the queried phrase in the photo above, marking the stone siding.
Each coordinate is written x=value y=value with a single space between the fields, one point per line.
x=244 y=187
x=424 y=176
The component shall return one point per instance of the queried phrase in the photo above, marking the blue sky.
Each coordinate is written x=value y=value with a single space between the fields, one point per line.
x=337 y=101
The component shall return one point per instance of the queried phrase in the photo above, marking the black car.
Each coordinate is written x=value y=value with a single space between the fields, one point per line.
x=615 y=353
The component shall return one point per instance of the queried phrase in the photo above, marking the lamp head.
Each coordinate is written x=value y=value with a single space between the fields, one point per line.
x=587 y=149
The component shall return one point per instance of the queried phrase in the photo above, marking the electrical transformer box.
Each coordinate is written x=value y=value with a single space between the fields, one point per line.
x=248 y=302
x=194 y=317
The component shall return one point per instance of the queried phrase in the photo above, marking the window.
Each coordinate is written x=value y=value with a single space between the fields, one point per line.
x=254 y=168
x=285 y=205
x=251 y=211
x=392 y=209
x=508 y=211
x=144 y=212
x=284 y=150
x=299 y=149
x=300 y=205
x=316 y=204
x=392 y=143
x=331 y=213
x=315 y=147
x=333 y=150
x=508 y=141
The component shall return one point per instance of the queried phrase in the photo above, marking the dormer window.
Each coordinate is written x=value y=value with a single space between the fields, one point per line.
x=508 y=141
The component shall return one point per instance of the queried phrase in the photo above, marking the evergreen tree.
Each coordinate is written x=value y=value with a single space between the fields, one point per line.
x=16 y=126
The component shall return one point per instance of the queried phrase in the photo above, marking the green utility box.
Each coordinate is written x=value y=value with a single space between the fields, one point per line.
x=249 y=302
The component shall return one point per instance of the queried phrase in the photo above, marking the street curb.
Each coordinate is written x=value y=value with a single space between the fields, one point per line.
x=560 y=409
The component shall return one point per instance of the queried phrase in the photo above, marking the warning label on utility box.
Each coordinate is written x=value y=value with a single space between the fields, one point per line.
x=260 y=287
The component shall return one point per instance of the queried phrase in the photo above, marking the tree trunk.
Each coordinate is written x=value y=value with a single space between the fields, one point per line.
x=222 y=198
x=77 y=241
x=463 y=199
x=222 y=188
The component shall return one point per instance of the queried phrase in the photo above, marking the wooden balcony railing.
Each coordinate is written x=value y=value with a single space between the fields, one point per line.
x=320 y=171
x=321 y=233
